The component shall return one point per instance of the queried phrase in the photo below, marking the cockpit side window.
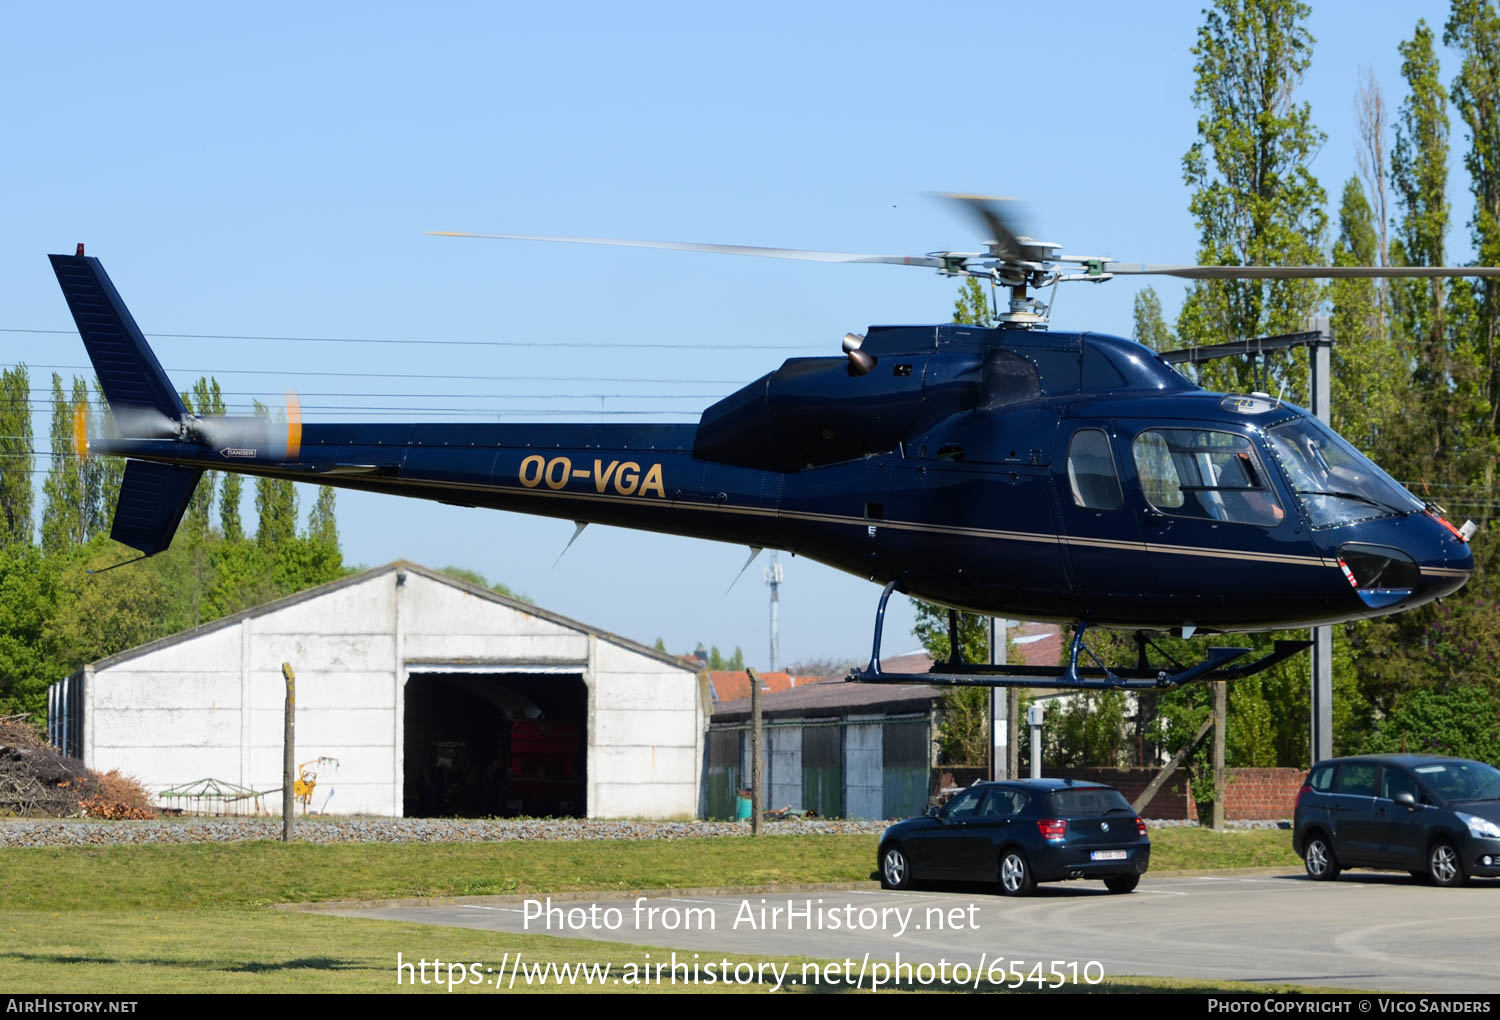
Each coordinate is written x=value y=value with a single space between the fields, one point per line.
x=1201 y=473
x=1091 y=471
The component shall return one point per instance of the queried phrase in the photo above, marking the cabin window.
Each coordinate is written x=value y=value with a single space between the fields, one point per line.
x=1198 y=473
x=1091 y=471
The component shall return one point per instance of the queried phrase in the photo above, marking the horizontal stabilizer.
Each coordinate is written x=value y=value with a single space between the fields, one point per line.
x=152 y=500
x=130 y=375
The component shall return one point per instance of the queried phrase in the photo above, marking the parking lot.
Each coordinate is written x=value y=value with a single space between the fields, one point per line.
x=1366 y=931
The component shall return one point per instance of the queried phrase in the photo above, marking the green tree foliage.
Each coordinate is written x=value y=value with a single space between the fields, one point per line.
x=1369 y=384
x=195 y=520
x=737 y=660
x=972 y=305
x=322 y=528
x=1462 y=720
x=16 y=495
x=55 y=615
x=1473 y=29
x=230 y=524
x=109 y=471
x=275 y=502
x=1255 y=199
x=1440 y=435
x=1087 y=729
x=64 y=516
x=1151 y=328
x=28 y=601
x=206 y=399
x=59 y=609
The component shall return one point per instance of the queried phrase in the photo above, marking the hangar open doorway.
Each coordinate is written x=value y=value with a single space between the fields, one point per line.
x=482 y=744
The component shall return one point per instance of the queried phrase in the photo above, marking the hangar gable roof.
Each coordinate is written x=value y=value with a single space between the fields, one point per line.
x=364 y=576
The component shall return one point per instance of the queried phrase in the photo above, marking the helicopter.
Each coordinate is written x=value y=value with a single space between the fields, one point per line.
x=1011 y=471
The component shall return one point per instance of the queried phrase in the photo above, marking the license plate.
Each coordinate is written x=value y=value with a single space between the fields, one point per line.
x=1108 y=855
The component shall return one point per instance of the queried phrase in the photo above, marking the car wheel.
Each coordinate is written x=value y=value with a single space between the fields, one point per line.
x=1122 y=883
x=1016 y=878
x=1318 y=857
x=895 y=869
x=1444 y=867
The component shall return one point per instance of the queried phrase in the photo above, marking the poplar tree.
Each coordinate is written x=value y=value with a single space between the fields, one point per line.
x=275 y=505
x=321 y=526
x=1369 y=377
x=63 y=516
x=229 y=507
x=1255 y=199
x=205 y=399
x=16 y=495
x=1150 y=327
x=1473 y=29
x=110 y=471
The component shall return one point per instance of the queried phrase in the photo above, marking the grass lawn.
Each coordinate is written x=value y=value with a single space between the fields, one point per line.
x=199 y=917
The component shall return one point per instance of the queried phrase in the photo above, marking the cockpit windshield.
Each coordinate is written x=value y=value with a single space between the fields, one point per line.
x=1335 y=482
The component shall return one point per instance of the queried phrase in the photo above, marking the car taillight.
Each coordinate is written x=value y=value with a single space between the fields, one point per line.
x=1306 y=789
x=1053 y=828
x=1140 y=826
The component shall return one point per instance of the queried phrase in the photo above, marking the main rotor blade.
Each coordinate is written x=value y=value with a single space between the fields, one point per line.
x=994 y=214
x=1293 y=272
x=927 y=261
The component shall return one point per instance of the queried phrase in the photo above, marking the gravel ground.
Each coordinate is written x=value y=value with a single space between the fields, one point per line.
x=82 y=832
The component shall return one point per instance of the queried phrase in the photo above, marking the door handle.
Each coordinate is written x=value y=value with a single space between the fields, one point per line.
x=1153 y=519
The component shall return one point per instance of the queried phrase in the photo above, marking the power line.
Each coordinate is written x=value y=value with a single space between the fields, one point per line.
x=420 y=375
x=555 y=344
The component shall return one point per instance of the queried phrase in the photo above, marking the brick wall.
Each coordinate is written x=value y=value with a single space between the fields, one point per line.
x=1249 y=793
x=1171 y=801
x=1262 y=793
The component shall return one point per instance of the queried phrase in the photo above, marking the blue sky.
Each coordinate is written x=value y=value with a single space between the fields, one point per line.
x=270 y=171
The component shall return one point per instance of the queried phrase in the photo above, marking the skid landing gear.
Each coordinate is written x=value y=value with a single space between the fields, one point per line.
x=1095 y=677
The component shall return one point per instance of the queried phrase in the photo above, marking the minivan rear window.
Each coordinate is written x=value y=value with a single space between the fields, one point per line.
x=1321 y=778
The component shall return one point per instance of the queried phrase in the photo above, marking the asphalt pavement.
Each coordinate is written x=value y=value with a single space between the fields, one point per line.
x=1368 y=930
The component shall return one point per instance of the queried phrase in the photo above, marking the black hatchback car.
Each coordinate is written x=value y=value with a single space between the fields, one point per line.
x=1437 y=818
x=1018 y=834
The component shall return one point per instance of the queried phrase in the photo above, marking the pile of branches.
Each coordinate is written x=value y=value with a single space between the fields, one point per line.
x=36 y=779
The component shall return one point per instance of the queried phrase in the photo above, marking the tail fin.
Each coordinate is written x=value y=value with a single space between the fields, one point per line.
x=153 y=498
x=132 y=378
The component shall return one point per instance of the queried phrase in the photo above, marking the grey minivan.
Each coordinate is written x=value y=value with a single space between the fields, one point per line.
x=1437 y=818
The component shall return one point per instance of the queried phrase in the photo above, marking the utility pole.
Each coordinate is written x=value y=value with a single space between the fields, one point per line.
x=757 y=765
x=1318 y=338
x=1221 y=717
x=1035 y=715
x=288 y=752
x=999 y=703
x=773 y=576
x=1320 y=357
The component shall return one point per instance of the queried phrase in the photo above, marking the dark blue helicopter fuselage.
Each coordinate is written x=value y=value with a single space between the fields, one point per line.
x=1010 y=472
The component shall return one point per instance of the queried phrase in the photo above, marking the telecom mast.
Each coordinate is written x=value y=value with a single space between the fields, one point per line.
x=773 y=575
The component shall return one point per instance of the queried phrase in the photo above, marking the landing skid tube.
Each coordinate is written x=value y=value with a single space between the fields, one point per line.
x=1098 y=677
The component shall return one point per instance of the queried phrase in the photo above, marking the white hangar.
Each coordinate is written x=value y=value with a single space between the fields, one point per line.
x=434 y=696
